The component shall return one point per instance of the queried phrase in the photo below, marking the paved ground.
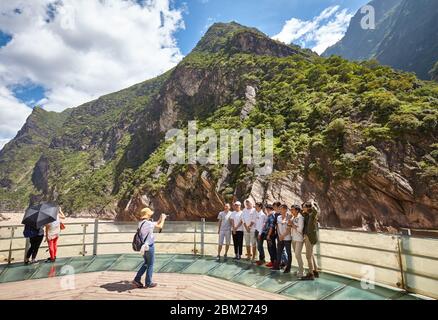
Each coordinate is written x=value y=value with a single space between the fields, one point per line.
x=117 y=286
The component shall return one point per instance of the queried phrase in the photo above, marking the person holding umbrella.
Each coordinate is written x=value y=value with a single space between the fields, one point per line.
x=35 y=237
x=35 y=218
x=53 y=229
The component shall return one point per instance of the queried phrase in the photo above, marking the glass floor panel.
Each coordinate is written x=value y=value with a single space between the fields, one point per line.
x=201 y=266
x=79 y=264
x=49 y=270
x=102 y=263
x=252 y=276
x=161 y=261
x=313 y=290
x=354 y=291
x=276 y=282
x=227 y=270
x=177 y=264
x=127 y=263
x=18 y=272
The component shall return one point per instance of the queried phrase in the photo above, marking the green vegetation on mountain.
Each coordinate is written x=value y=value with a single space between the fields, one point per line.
x=333 y=120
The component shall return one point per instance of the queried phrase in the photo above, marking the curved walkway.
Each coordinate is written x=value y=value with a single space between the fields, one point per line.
x=176 y=274
x=111 y=285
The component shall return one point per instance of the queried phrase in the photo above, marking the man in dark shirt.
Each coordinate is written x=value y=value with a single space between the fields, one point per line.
x=272 y=233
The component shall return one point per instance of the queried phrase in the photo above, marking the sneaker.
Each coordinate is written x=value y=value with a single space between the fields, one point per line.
x=50 y=260
x=26 y=262
x=286 y=270
x=236 y=258
x=137 y=284
x=269 y=264
x=34 y=261
x=218 y=258
x=152 y=285
x=225 y=257
x=316 y=274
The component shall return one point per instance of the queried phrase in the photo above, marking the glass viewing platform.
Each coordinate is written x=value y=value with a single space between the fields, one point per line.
x=355 y=264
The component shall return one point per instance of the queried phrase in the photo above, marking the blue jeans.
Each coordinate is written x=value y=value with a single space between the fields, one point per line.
x=147 y=266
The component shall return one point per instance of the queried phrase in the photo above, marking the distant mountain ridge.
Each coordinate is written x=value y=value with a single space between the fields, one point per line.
x=405 y=38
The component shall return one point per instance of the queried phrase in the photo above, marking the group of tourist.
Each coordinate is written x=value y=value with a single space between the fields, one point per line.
x=50 y=232
x=282 y=228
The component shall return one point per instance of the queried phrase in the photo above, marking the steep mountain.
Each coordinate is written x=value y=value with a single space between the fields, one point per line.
x=405 y=37
x=18 y=157
x=358 y=137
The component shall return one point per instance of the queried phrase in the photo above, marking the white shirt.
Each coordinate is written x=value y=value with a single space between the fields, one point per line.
x=297 y=234
x=54 y=229
x=261 y=220
x=237 y=217
x=224 y=218
x=282 y=227
x=249 y=216
x=147 y=229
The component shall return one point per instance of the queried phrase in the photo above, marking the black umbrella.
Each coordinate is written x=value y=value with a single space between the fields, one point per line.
x=40 y=215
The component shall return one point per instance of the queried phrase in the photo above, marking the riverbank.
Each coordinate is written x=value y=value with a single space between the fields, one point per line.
x=15 y=218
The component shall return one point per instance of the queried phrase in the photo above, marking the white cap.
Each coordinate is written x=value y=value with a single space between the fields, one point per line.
x=237 y=203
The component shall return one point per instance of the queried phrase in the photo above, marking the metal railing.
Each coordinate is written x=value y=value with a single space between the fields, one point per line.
x=403 y=261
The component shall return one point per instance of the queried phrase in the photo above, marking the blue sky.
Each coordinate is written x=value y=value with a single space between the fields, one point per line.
x=60 y=54
x=268 y=16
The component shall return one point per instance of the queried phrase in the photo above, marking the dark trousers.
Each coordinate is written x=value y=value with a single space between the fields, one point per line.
x=272 y=249
x=260 y=248
x=238 y=243
x=35 y=244
x=280 y=248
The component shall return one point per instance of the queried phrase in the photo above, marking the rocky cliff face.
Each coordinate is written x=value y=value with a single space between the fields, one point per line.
x=367 y=154
x=405 y=37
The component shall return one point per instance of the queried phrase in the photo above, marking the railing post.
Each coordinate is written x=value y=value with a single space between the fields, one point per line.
x=202 y=236
x=403 y=284
x=195 y=249
x=96 y=236
x=10 y=244
x=84 y=252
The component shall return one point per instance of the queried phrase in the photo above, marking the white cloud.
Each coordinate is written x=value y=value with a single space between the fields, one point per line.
x=319 y=33
x=89 y=47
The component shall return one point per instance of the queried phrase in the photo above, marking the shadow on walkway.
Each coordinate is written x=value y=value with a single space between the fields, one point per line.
x=121 y=286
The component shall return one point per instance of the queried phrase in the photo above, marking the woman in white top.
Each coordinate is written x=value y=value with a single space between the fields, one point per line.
x=260 y=225
x=53 y=230
x=249 y=218
x=237 y=229
x=284 y=239
x=297 y=225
